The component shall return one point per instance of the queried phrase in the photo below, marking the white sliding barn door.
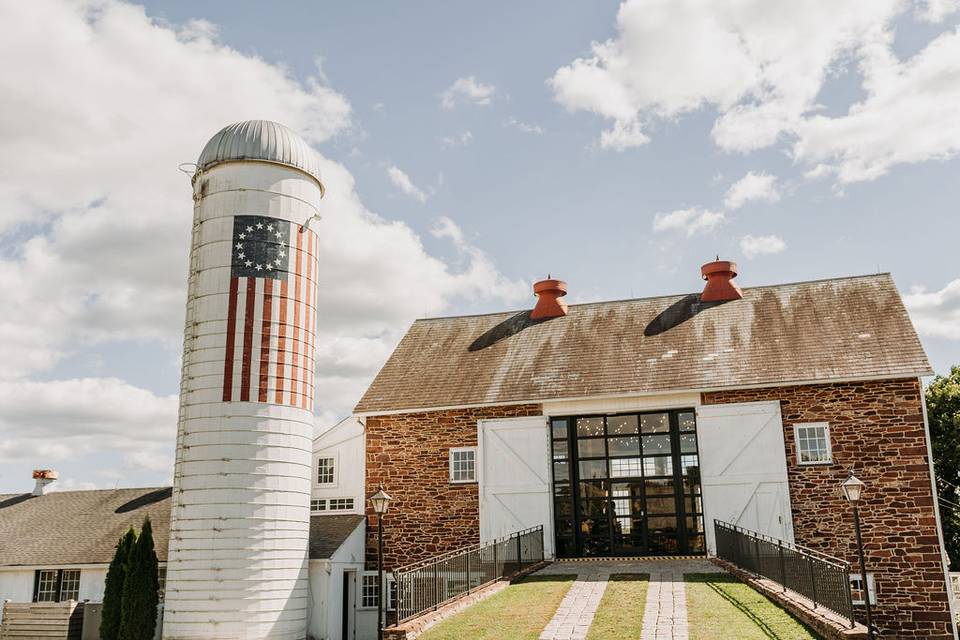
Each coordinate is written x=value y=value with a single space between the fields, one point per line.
x=743 y=468
x=514 y=465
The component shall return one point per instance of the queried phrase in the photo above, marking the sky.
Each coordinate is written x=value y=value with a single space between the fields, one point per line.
x=468 y=149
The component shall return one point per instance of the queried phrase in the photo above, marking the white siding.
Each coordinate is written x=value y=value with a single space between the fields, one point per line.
x=16 y=585
x=92 y=584
x=345 y=443
x=326 y=589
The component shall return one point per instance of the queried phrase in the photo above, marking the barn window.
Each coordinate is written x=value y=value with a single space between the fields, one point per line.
x=318 y=505
x=56 y=585
x=369 y=591
x=856 y=588
x=341 y=504
x=813 y=443
x=463 y=464
x=326 y=470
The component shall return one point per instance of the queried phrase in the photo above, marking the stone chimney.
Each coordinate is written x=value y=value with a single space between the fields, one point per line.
x=719 y=275
x=549 y=304
x=43 y=477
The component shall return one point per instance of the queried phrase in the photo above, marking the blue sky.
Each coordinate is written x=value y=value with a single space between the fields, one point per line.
x=471 y=149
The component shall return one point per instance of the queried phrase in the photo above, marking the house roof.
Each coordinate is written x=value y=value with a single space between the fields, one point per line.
x=838 y=329
x=82 y=527
x=78 y=527
x=328 y=532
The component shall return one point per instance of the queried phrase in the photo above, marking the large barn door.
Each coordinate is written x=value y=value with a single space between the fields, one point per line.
x=514 y=464
x=743 y=468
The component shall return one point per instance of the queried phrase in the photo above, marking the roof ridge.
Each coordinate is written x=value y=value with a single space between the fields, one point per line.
x=50 y=493
x=660 y=297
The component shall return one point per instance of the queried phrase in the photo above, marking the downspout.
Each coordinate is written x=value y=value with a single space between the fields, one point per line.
x=936 y=510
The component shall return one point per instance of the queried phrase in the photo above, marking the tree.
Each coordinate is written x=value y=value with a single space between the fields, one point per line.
x=113 y=589
x=138 y=614
x=943 y=413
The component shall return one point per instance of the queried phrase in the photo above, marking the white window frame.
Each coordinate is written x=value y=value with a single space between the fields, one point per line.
x=318 y=505
x=336 y=471
x=331 y=509
x=871 y=588
x=796 y=441
x=452 y=455
x=365 y=577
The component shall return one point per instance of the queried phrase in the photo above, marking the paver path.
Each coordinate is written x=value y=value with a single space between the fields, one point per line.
x=665 y=612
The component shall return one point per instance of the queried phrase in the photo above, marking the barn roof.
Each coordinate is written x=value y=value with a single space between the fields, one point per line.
x=820 y=331
x=78 y=527
x=82 y=527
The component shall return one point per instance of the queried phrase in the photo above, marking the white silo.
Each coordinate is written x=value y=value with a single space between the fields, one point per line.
x=240 y=523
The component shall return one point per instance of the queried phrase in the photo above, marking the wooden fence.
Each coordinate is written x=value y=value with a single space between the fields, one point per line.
x=39 y=620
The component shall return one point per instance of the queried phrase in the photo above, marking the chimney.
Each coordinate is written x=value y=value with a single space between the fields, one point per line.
x=43 y=478
x=719 y=275
x=549 y=304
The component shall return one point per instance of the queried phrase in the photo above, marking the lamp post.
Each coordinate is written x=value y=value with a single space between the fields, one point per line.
x=381 y=502
x=853 y=491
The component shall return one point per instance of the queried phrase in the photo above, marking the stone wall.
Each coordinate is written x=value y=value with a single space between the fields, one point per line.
x=408 y=453
x=876 y=429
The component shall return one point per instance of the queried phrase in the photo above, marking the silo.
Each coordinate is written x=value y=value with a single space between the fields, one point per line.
x=239 y=536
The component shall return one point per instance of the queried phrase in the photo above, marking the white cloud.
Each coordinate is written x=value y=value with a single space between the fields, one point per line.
x=936 y=313
x=688 y=221
x=97 y=217
x=525 y=127
x=753 y=187
x=58 y=420
x=403 y=182
x=934 y=11
x=753 y=246
x=467 y=90
x=762 y=66
x=919 y=96
x=460 y=140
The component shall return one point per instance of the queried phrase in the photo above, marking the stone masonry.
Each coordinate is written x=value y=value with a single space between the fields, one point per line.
x=876 y=429
x=408 y=453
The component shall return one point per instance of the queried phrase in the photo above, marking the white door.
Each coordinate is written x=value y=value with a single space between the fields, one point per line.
x=514 y=465
x=743 y=468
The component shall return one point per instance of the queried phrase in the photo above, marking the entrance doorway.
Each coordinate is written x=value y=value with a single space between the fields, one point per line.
x=347 y=605
x=627 y=484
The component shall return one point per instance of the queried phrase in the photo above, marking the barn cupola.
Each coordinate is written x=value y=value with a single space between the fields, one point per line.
x=549 y=304
x=719 y=275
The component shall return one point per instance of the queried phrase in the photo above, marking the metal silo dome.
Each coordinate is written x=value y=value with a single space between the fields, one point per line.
x=263 y=141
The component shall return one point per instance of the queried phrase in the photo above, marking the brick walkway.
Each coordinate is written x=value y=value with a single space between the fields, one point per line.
x=665 y=612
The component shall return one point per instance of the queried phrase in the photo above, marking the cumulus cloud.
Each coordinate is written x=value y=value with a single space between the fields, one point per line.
x=403 y=182
x=936 y=313
x=762 y=66
x=688 y=221
x=95 y=218
x=753 y=187
x=753 y=246
x=467 y=90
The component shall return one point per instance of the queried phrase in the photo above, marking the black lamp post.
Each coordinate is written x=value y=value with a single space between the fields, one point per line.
x=853 y=491
x=381 y=502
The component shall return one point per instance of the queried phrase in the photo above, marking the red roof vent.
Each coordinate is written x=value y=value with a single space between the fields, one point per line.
x=549 y=304
x=719 y=275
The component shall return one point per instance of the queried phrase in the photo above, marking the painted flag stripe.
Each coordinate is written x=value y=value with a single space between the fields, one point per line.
x=248 y=319
x=265 y=339
x=231 y=339
x=281 y=342
x=295 y=363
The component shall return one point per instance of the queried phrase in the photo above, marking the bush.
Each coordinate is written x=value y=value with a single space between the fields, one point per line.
x=138 y=613
x=113 y=589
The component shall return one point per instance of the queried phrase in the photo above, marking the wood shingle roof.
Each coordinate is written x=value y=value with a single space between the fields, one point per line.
x=821 y=331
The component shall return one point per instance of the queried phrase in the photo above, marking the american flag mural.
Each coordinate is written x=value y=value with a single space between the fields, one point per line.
x=270 y=319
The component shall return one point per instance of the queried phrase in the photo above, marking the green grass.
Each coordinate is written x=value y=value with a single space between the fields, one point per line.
x=620 y=614
x=519 y=612
x=720 y=606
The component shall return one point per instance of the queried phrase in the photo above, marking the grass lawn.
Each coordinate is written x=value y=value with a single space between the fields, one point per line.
x=720 y=606
x=621 y=610
x=519 y=612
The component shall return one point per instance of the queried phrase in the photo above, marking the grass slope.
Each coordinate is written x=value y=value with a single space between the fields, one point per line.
x=720 y=606
x=620 y=614
x=519 y=612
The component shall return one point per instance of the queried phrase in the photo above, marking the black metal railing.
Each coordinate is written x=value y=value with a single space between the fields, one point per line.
x=821 y=578
x=430 y=584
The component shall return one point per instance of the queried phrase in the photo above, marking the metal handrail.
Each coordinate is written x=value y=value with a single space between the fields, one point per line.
x=819 y=577
x=428 y=584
